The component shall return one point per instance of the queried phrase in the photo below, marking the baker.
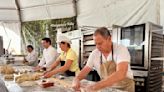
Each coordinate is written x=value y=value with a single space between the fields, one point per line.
x=49 y=55
x=111 y=61
x=68 y=60
x=32 y=57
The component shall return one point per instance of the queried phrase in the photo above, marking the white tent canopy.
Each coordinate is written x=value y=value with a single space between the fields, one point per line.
x=8 y=11
x=46 y=9
x=89 y=12
x=119 y=12
x=29 y=10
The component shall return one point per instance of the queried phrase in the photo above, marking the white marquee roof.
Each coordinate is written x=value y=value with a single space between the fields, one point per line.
x=89 y=12
x=11 y=10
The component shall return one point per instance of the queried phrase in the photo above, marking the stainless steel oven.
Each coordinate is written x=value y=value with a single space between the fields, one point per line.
x=137 y=39
x=134 y=38
x=146 y=45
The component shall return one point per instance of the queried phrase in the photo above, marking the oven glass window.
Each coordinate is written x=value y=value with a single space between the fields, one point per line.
x=133 y=38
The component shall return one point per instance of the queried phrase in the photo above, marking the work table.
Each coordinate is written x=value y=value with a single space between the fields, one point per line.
x=63 y=85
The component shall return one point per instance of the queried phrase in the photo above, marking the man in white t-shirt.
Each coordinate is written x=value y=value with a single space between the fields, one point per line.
x=49 y=55
x=107 y=57
x=32 y=57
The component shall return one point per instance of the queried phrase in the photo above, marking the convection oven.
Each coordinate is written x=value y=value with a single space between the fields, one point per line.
x=145 y=43
x=137 y=38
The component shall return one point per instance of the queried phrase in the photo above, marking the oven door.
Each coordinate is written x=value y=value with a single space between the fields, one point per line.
x=133 y=37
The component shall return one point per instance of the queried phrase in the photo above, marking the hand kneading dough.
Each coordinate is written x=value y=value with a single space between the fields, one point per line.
x=7 y=69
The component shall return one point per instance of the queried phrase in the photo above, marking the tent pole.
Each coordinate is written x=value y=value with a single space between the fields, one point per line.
x=18 y=8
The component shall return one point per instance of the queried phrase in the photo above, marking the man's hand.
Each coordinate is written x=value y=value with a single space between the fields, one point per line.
x=76 y=84
x=24 y=60
x=89 y=88
x=83 y=73
x=37 y=68
x=26 y=63
x=49 y=69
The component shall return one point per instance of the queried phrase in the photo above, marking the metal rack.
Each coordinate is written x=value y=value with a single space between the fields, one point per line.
x=156 y=65
x=87 y=43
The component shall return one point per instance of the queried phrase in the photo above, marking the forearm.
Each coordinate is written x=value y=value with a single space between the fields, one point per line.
x=81 y=76
x=84 y=72
x=60 y=70
x=54 y=65
x=37 y=68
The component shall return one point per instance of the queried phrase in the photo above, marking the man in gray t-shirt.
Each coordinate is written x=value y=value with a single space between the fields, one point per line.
x=3 y=87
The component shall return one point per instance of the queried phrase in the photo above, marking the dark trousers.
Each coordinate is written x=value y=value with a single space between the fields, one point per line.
x=67 y=73
x=93 y=76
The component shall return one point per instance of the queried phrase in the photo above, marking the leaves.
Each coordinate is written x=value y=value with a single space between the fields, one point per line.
x=34 y=31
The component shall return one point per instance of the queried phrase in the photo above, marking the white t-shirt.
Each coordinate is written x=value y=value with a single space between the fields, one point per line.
x=49 y=56
x=120 y=54
x=32 y=58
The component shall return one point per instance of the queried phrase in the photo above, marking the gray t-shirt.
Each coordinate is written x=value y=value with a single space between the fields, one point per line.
x=3 y=87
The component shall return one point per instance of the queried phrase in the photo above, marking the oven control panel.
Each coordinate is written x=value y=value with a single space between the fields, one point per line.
x=140 y=84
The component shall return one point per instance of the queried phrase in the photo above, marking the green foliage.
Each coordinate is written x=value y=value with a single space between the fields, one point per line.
x=36 y=30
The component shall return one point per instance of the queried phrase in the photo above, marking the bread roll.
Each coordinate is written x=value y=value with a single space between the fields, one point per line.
x=6 y=69
x=28 y=77
x=9 y=77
